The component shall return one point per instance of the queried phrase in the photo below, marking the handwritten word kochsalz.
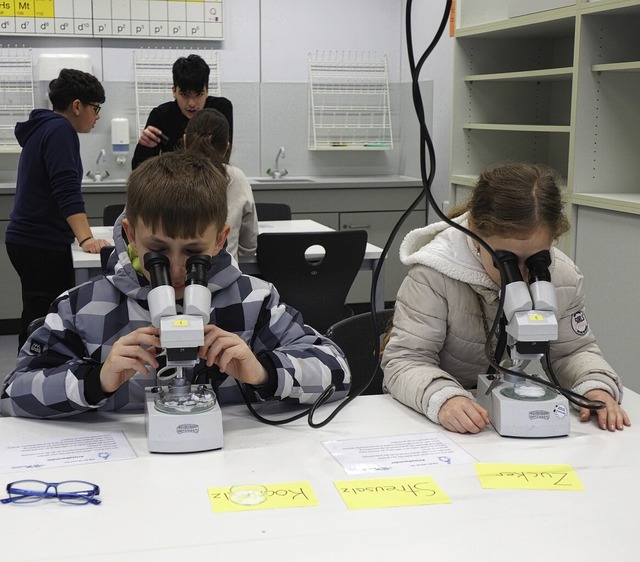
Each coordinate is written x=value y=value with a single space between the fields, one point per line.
x=295 y=494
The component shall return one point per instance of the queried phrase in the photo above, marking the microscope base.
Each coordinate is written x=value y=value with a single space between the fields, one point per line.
x=182 y=433
x=523 y=417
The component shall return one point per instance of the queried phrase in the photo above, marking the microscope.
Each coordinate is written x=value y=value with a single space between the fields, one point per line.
x=519 y=406
x=180 y=417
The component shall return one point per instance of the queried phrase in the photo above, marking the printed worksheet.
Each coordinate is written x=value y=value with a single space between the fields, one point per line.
x=71 y=450
x=397 y=453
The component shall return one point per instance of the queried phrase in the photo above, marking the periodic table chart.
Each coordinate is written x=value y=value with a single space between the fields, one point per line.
x=139 y=19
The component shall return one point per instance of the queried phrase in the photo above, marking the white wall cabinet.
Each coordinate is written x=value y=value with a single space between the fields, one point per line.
x=11 y=297
x=609 y=257
x=560 y=87
x=96 y=197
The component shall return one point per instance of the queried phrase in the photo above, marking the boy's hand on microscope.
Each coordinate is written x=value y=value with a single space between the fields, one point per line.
x=232 y=355
x=130 y=354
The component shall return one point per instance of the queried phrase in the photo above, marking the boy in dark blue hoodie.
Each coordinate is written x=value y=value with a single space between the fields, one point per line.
x=48 y=211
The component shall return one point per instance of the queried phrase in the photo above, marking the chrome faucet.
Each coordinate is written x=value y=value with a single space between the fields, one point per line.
x=97 y=175
x=277 y=172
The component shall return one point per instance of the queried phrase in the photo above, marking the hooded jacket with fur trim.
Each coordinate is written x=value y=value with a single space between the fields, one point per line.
x=436 y=346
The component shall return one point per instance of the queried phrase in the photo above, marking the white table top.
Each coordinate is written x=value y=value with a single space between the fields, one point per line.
x=82 y=259
x=156 y=508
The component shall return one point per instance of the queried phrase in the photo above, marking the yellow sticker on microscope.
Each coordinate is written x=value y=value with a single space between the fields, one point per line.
x=536 y=317
x=180 y=323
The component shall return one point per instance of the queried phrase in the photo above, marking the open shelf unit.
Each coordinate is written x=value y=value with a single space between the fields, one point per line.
x=559 y=87
x=512 y=94
x=349 y=107
x=606 y=164
x=16 y=93
x=154 y=79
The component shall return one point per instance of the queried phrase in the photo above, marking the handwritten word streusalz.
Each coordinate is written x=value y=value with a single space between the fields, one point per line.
x=417 y=489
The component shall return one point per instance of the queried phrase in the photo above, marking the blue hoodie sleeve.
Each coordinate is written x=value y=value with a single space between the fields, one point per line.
x=61 y=152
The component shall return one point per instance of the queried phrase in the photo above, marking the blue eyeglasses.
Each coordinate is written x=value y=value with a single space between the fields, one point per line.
x=76 y=492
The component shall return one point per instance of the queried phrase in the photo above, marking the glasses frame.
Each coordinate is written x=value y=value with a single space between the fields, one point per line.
x=19 y=492
x=96 y=107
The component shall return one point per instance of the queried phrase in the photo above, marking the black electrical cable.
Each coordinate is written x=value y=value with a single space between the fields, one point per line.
x=426 y=145
x=427 y=181
x=425 y=138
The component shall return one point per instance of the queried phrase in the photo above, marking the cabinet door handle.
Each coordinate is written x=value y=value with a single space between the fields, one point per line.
x=356 y=226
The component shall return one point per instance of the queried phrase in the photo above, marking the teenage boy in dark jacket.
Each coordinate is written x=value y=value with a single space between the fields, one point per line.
x=166 y=123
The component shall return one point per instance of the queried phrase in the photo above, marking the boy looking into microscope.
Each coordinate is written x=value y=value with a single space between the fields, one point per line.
x=98 y=349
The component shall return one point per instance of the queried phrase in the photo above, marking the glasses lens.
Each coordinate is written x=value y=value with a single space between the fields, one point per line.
x=96 y=108
x=76 y=491
x=28 y=491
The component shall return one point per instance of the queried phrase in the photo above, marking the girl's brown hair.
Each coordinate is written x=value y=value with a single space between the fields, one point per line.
x=512 y=200
x=208 y=132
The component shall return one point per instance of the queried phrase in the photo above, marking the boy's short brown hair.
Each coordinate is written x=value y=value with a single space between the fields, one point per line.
x=180 y=192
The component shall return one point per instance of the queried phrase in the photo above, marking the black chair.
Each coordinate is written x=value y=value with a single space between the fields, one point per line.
x=105 y=252
x=355 y=337
x=273 y=212
x=110 y=213
x=35 y=324
x=317 y=288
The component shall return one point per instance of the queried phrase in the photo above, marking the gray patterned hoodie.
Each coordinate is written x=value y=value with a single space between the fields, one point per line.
x=57 y=371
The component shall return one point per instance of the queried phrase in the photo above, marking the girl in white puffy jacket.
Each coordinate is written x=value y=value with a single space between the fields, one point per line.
x=448 y=302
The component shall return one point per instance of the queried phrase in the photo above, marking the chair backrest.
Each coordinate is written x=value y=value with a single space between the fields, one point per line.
x=110 y=213
x=105 y=253
x=35 y=324
x=273 y=212
x=356 y=338
x=317 y=288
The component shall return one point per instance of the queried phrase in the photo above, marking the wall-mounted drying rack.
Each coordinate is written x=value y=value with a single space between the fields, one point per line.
x=16 y=93
x=349 y=107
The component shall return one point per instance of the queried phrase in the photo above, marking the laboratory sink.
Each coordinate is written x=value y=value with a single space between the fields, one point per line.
x=286 y=179
x=103 y=182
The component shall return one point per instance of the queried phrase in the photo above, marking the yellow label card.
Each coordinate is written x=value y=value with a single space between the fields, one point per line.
x=528 y=476
x=390 y=492
x=269 y=496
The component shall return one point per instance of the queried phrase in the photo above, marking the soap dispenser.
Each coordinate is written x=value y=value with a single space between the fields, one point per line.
x=120 y=138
